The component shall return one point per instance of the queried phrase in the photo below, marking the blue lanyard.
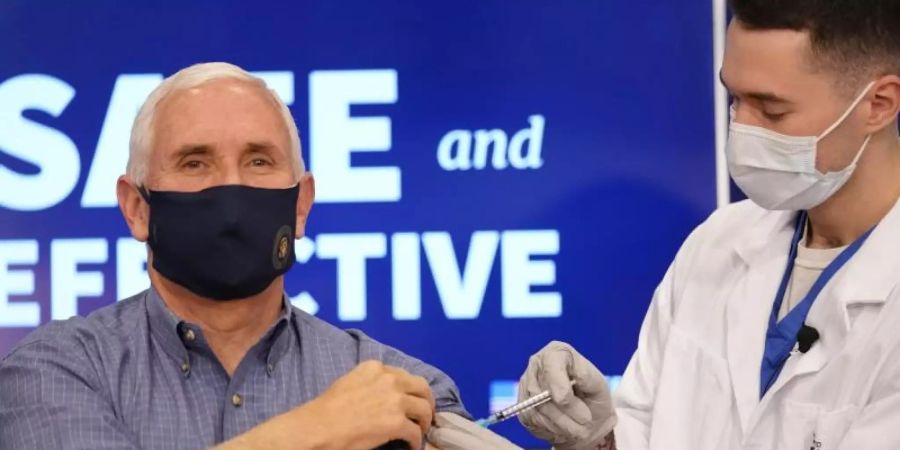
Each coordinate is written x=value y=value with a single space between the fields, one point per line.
x=781 y=336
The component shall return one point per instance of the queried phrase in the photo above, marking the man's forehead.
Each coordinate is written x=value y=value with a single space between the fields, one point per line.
x=228 y=103
x=216 y=112
x=214 y=88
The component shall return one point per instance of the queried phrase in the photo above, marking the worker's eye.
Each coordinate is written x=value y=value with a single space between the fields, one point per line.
x=260 y=162
x=773 y=117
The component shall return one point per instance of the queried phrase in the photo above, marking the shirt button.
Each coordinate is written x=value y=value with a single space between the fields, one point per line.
x=185 y=367
x=236 y=400
x=189 y=335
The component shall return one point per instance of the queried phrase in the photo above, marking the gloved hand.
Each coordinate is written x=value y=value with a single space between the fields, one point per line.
x=580 y=416
x=454 y=432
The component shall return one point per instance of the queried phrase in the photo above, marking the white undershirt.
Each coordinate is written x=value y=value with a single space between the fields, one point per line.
x=808 y=265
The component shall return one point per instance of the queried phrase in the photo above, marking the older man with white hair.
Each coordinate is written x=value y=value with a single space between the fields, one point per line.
x=213 y=353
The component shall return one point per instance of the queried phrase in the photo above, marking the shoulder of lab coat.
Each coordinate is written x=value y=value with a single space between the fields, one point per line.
x=703 y=250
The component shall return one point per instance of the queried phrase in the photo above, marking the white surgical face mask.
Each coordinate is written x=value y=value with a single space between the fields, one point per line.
x=779 y=172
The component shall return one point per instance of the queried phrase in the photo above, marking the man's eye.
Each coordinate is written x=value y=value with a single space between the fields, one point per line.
x=259 y=162
x=193 y=164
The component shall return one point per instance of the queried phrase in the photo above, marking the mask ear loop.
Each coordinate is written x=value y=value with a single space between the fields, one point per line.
x=847 y=113
x=861 y=151
x=144 y=193
x=843 y=118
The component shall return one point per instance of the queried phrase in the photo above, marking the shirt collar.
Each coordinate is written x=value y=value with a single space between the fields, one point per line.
x=276 y=341
x=164 y=326
x=170 y=331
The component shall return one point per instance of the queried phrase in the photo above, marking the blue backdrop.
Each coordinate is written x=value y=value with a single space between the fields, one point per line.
x=492 y=174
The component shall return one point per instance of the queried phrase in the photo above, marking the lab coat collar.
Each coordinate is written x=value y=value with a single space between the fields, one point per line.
x=867 y=279
x=764 y=254
x=871 y=283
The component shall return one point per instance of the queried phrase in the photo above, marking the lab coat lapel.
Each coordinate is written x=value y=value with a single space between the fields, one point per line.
x=764 y=256
x=869 y=277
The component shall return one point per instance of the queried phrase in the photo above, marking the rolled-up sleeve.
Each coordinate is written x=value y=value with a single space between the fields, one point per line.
x=50 y=399
x=444 y=389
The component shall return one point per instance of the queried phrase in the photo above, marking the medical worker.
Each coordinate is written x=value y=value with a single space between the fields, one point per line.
x=777 y=326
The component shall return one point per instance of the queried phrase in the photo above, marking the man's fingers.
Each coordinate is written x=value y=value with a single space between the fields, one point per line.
x=415 y=386
x=411 y=384
x=369 y=367
x=419 y=411
x=411 y=433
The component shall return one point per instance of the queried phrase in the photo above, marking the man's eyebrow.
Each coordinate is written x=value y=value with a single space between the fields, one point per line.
x=767 y=97
x=191 y=149
x=260 y=146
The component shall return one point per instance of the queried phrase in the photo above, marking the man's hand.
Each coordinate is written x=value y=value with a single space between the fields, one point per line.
x=581 y=416
x=374 y=404
x=366 y=408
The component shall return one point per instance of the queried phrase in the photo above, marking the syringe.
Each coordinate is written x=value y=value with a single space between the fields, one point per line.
x=517 y=409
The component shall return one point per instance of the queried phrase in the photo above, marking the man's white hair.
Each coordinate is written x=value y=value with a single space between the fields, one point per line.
x=188 y=78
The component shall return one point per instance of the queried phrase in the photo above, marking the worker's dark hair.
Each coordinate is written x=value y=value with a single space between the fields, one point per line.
x=855 y=38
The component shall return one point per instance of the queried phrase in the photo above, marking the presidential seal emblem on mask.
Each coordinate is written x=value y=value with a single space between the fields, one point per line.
x=282 y=249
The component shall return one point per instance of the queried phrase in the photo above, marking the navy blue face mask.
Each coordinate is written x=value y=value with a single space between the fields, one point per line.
x=225 y=242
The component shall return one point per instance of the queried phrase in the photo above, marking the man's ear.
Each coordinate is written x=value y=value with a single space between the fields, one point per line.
x=134 y=209
x=885 y=104
x=305 y=199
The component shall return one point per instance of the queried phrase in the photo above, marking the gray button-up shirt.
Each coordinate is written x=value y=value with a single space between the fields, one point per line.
x=132 y=375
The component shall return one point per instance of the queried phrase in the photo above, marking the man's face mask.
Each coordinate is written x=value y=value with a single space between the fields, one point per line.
x=224 y=242
x=778 y=172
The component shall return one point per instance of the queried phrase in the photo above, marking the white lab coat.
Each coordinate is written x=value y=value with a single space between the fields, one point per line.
x=693 y=382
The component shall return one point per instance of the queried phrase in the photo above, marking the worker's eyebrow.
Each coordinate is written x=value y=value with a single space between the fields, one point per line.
x=761 y=96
